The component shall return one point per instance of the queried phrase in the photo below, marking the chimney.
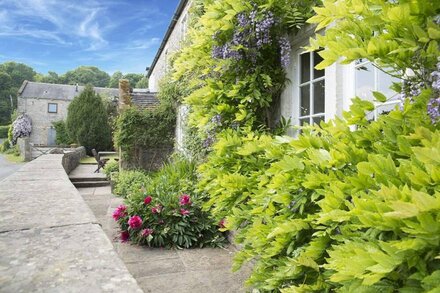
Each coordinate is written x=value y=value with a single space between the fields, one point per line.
x=124 y=94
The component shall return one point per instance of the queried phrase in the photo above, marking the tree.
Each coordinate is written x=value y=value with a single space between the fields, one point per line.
x=51 y=77
x=87 y=121
x=133 y=78
x=114 y=80
x=18 y=72
x=87 y=75
x=12 y=75
x=142 y=83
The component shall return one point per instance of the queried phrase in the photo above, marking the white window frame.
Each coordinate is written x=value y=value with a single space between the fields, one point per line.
x=51 y=104
x=309 y=83
x=377 y=105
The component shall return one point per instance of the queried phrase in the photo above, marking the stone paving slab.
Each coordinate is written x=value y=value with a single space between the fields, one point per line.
x=76 y=258
x=49 y=238
x=86 y=171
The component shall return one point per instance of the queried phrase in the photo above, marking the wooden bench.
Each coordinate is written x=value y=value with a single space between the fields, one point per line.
x=101 y=162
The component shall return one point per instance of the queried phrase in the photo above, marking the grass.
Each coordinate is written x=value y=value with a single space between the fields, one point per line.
x=91 y=160
x=13 y=158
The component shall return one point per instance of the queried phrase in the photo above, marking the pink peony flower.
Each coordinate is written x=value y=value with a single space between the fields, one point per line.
x=184 y=200
x=147 y=232
x=222 y=223
x=120 y=212
x=135 y=222
x=184 y=212
x=157 y=209
x=147 y=200
x=125 y=236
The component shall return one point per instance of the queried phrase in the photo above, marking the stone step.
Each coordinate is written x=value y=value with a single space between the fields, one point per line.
x=90 y=183
x=89 y=178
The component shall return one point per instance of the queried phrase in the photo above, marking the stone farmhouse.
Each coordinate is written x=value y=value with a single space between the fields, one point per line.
x=46 y=103
x=312 y=95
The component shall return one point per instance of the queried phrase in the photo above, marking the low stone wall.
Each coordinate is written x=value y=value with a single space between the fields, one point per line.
x=71 y=159
x=24 y=146
x=148 y=159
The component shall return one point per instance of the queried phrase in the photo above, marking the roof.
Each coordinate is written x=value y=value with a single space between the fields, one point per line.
x=30 y=89
x=177 y=13
x=142 y=98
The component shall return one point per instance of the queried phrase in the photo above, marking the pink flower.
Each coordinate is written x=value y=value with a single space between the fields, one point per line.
x=157 y=209
x=147 y=232
x=135 y=222
x=184 y=212
x=221 y=224
x=184 y=200
x=125 y=236
x=120 y=212
x=147 y=200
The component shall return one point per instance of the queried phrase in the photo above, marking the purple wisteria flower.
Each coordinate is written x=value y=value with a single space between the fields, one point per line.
x=285 y=50
x=434 y=103
x=21 y=127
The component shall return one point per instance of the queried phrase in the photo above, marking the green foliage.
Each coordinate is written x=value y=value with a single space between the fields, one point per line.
x=86 y=75
x=51 y=77
x=149 y=128
x=129 y=181
x=87 y=121
x=6 y=145
x=63 y=137
x=114 y=80
x=393 y=34
x=166 y=214
x=12 y=76
x=112 y=167
x=4 y=131
x=335 y=209
x=242 y=91
x=142 y=83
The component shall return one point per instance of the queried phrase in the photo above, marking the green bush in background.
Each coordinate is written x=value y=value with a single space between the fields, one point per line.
x=129 y=181
x=63 y=137
x=87 y=121
x=4 y=131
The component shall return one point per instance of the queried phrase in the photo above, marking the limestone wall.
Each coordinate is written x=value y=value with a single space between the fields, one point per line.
x=42 y=120
x=173 y=44
x=71 y=160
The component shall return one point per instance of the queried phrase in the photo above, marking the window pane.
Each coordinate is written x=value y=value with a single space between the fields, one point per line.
x=316 y=60
x=305 y=100
x=305 y=67
x=319 y=97
x=384 y=82
x=317 y=120
x=304 y=121
x=365 y=81
x=52 y=108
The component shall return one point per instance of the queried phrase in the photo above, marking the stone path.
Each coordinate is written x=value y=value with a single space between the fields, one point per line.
x=50 y=241
x=7 y=168
x=160 y=270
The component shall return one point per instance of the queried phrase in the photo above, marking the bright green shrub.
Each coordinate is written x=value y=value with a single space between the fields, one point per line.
x=129 y=181
x=63 y=137
x=5 y=146
x=111 y=167
x=169 y=208
x=4 y=131
x=335 y=209
x=87 y=122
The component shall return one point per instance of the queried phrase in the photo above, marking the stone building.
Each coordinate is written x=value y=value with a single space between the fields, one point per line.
x=47 y=103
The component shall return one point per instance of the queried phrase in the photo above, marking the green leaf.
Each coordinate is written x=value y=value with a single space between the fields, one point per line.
x=380 y=97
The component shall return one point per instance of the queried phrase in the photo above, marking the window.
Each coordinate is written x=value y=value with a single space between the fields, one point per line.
x=311 y=89
x=52 y=107
x=369 y=78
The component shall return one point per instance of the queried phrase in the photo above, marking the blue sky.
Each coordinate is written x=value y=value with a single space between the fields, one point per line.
x=60 y=35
